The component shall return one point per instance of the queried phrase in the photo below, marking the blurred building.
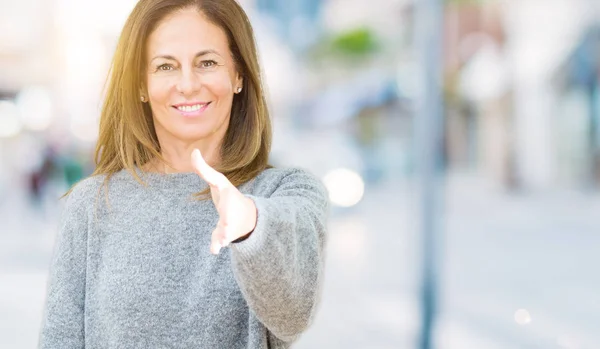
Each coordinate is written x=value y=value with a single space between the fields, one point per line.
x=297 y=21
x=478 y=90
x=577 y=86
x=503 y=110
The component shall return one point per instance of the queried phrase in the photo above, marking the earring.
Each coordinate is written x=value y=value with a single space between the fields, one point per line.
x=143 y=99
x=239 y=89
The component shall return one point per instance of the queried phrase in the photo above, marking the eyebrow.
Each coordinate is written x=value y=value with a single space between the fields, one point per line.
x=199 y=54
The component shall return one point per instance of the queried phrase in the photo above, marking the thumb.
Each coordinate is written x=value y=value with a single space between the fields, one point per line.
x=209 y=174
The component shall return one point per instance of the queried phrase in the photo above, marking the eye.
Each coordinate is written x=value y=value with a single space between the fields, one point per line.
x=208 y=64
x=165 y=67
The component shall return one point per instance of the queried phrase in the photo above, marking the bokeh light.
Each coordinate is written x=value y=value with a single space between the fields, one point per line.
x=35 y=107
x=346 y=187
x=522 y=317
x=10 y=125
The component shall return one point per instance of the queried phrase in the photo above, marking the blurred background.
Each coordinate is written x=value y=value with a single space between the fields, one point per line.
x=518 y=218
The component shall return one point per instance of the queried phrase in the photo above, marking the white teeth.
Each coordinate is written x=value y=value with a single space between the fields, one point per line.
x=190 y=108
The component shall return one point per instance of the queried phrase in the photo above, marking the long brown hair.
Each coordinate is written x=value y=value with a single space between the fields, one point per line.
x=127 y=137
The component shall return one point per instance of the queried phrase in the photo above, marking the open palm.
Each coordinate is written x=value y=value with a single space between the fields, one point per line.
x=237 y=213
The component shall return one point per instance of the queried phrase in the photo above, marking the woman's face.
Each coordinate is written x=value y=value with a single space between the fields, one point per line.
x=191 y=78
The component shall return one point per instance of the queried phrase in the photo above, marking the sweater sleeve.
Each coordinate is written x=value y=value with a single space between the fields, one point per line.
x=279 y=267
x=63 y=319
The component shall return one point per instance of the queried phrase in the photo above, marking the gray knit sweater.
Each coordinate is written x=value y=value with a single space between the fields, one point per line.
x=137 y=272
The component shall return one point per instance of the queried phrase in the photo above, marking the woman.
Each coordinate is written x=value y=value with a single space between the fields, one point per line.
x=142 y=262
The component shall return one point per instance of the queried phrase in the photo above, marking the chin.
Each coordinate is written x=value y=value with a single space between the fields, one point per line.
x=191 y=136
x=196 y=132
x=188 y=132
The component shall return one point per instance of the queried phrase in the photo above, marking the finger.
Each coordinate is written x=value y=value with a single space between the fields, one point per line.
x=223 y=238
x=209 y=174
x=220 y=238
x=224 y=233
x=215 y=246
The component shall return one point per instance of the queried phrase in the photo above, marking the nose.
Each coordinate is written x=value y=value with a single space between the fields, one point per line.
x=189 y=82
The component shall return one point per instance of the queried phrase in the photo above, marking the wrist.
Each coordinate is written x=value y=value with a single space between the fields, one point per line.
x=251 y=221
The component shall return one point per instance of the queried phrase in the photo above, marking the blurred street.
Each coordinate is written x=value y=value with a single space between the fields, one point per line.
x=501 y=253
x=518 y=117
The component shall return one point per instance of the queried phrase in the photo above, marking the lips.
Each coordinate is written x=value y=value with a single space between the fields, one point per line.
x=191 y=110
x=191 y=107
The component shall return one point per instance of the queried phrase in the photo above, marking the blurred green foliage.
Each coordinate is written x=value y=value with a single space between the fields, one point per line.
x=359 y=41
x=352 y=47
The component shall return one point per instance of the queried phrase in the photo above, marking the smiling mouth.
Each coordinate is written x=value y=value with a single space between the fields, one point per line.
x=191 y=108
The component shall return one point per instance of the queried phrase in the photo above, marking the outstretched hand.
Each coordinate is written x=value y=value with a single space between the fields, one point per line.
x=237 y=213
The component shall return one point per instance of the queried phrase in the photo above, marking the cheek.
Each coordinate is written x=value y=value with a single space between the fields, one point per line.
x=158 y=89
x=220 y=86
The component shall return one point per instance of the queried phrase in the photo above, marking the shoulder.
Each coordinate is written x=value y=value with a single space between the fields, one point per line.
x=289 y=178
x=84 y=192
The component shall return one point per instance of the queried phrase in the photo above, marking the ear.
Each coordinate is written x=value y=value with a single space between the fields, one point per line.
x=239 y=81
x=143 y=93
x=143 y=97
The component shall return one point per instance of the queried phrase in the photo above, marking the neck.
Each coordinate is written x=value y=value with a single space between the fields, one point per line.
x=178 y=158
x=177 y=152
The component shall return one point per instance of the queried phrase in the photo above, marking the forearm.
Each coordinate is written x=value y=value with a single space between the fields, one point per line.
x=279 y=266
